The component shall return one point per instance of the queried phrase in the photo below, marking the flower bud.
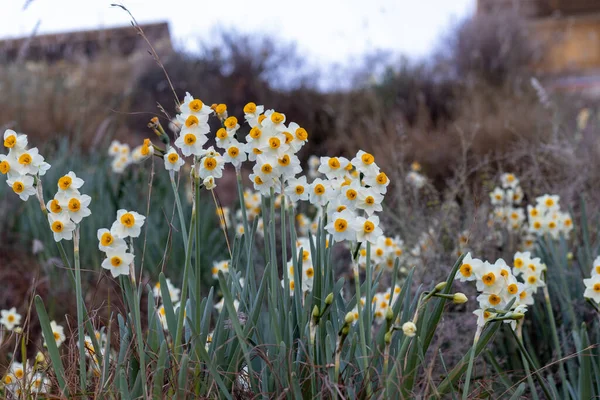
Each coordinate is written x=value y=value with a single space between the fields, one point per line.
x=516 y=315
x=39 y=357
x=209 y=182
x=440 y=286
x=409 y=329
x=329 y=299
x=389 y=314
x=459 y=298
x=315 y=312
x=349 y=318
x=388 y=337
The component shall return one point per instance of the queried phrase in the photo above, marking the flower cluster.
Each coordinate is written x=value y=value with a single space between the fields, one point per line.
x=414 y=177
x=123 y=156
x=498 y=285
x=68 y=207
x=21 y=165
x=384 y=254
x=112 y=242
x=92 y=353
x=506 y=200
x=546 y=218
x=307 y=274
x=173 y=294
x=22 y=378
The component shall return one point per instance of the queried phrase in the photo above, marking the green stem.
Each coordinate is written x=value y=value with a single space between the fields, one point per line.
x=361 y=323
x=80 y=328
x=465 y=395
x=555 y=339
x=179 y=208
x=541 y=381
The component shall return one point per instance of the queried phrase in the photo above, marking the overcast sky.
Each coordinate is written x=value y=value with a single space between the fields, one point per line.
x=326 y=30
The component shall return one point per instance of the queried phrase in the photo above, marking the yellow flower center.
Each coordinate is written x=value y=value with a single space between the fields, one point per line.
x=191 y=121
x=231 y=122
x=351 y=194
x=299 y=189
x=549 y=202
x=341 y=208
x=466 y=270
x=10 y=318
x=532 y=279
x=537 y=224
x=4 y=167
x=510 y=177
x=222 y=133
x=368 y=227
x=518 y=263
x=65 y=182
x=274 y=143
x=173 y=157
x=145 y=150
x=19 y=373
x=257 y=180
x=55 y=206
x=370 y=200
x=489 y=278
x=57 y=226
x=255 y=133
x=276 y=117
x=56 y=336
x=288 y=137
x=128 y=220
x=221 y=108
x=381 y=178
x=367 y=158
x=266 y=169
x=25 y=159
x=106 y=239
x=334 y=163
x=597 y=288
x=116 y=261
x=284 y=161
x=319 y=189
x=233 y=151
x=196 y=105
x=210 y=163
x=568 y=222
x=494 y=299
x=310 y=272
x=551 y=224
x=250 y=108
x=504 y=273
x=513 y=288
x=261 y=118
x=18 y=187
x=74 y=205
x=189 y=139
x=10 y=141
x=523 y=294
x=301 y=134
x=340 y=225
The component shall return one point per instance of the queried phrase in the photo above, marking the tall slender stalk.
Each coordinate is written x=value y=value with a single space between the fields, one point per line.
x=555 y=339
x=465 y=395
x=80 y=328
x=361 y=323
x=179 y=207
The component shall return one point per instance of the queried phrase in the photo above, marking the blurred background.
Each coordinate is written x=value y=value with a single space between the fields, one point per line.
x=466 y=88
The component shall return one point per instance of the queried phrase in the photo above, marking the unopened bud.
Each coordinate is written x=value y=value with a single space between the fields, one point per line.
x=39 y=357
x=459 y=298
x=389 y=314
x=388 y=337
x=440 y=286
x=516 y=315
x=315 y=312
x=329 y=299
x=349 y=318
x=209 y=182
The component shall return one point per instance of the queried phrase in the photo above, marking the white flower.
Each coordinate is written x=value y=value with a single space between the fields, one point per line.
x=497 y=197
x=365 y=163
x=172 y=160
x=234 y=153
x=58 y=333
x=483 y=316
x=10 y=318
x=117 y=261
x=191 y=143
x=334 y=167
x=509 y=181
x=469 y=269
x=297 y=189
x=491 y=280
x=211 y=164
x=380 y=182
x=222 y=266
x=209 y=182
x=369 y=200
x=62 y=227
x=22 y=185
x=191 y=106
x=28 y=162
x=592 y=288
x=548 y=203
x=77 y=207
x=596 y=266
x=107 y=241
x=340 y=226
x=220 y=304
x=319 y=192
x=409 y=329
x=128 y=223
x=39 y=383
x=173 y=291
x=68 y=185
x=13 y=140
x=367 y=229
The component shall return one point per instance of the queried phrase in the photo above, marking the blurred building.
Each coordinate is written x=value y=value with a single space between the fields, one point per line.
x=74 y=46
x=568 y=33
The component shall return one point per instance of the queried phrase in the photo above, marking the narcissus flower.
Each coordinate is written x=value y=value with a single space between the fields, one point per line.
x=13 y=140
x=209 y=182
x=297 y=189
x=107 y=241
x=340 y=226
x=191 y=143
x=211 y=164
x=58 y=333
x=592 y=288
x=10 y=318
x=61 y=225
x=68 y=185
x=365 y=163
x=173 y=161
x=77 y=207
x=235 y=153
x=128 y=223
x=117 y=261
x=367 y=229
x=409 y=329
x=22 y=185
